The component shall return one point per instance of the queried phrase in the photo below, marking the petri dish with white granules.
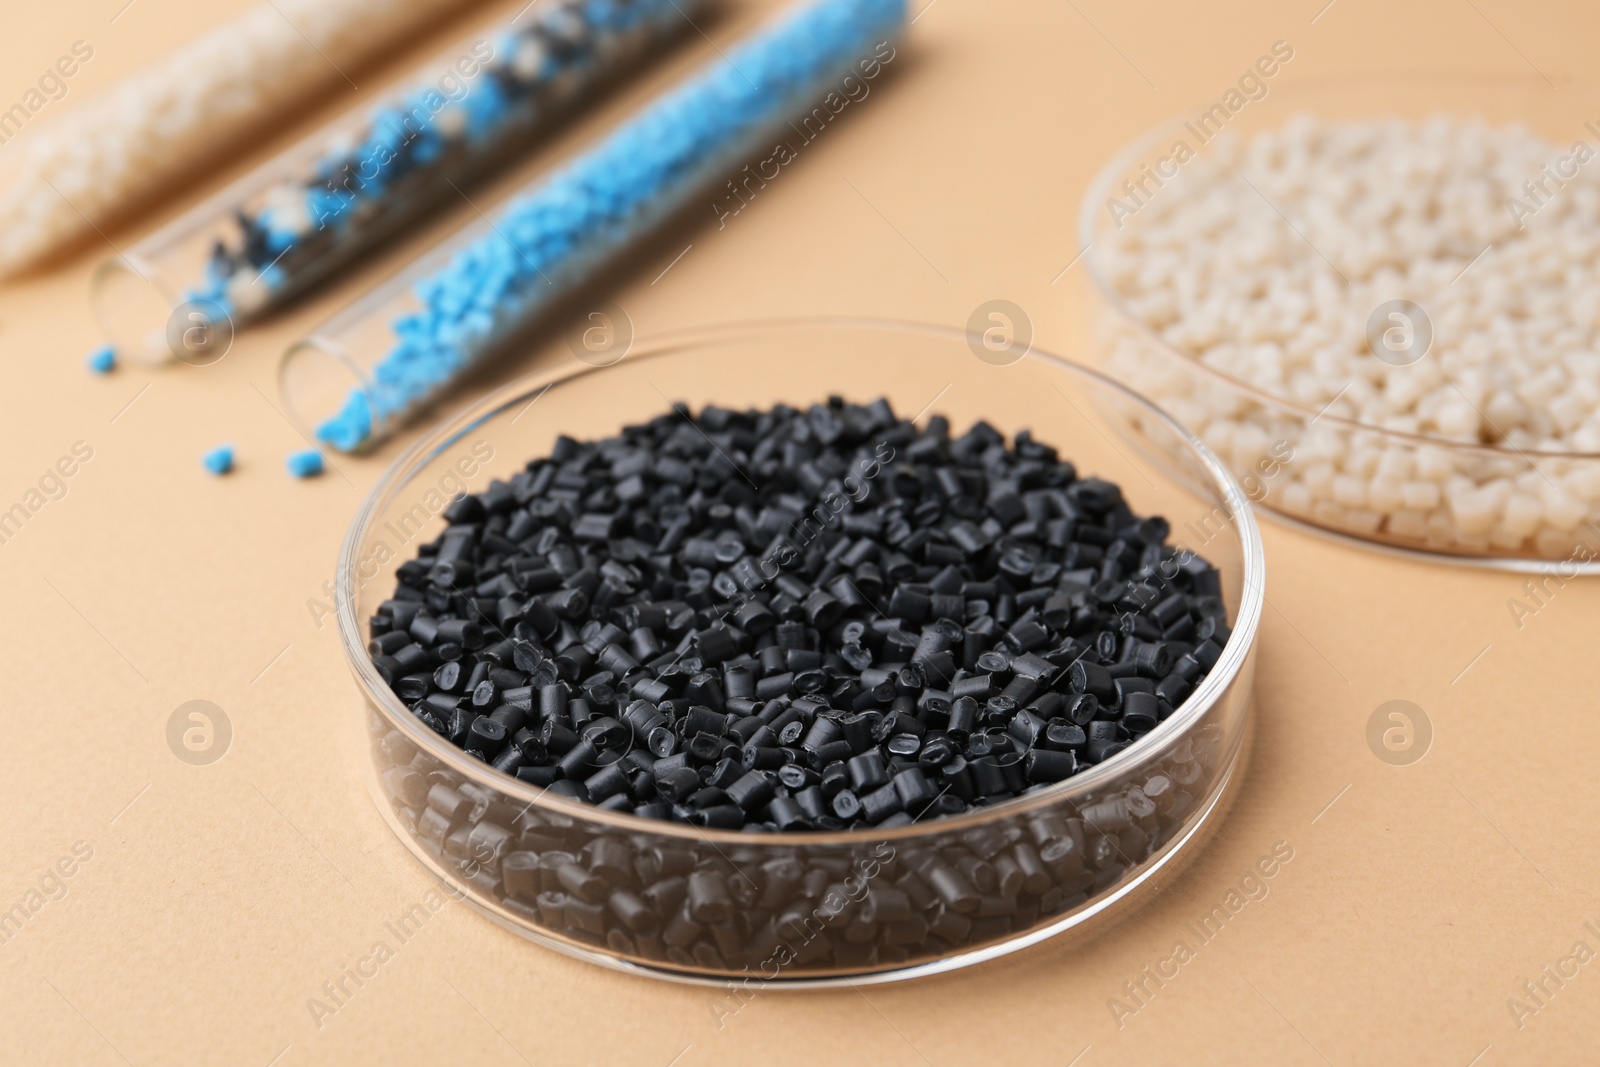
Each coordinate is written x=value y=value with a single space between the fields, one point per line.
x=1378 y=301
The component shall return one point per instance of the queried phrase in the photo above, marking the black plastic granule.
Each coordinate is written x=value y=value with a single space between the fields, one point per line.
x=790 y=620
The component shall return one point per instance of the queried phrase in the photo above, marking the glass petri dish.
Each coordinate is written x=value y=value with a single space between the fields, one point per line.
x=1031 y=867
x=1309 y=466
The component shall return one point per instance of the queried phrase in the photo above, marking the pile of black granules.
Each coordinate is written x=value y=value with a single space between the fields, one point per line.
x=798 y=620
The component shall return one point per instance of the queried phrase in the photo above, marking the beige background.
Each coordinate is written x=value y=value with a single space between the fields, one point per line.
x=219 y=898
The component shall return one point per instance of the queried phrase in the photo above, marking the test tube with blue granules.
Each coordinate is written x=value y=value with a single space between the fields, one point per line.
x=293 y=222
x=381 y=361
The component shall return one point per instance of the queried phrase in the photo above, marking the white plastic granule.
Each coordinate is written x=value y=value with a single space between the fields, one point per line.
x=60 y=180
x=1275 y=259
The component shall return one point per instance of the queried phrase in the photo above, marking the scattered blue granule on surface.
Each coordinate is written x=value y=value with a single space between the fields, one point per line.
x=305 y=464
x=219 y=460
x=103 y=360
x=547 y=239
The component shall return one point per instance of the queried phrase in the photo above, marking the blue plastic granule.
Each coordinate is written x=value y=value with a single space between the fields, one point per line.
x=305 y=464
x=219 y=460
x=103 y=360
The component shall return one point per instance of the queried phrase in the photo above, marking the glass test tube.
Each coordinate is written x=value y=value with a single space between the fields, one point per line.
x=292 y=222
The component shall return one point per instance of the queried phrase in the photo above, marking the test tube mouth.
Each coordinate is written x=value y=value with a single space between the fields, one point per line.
x=134 y=305
x=327 y=396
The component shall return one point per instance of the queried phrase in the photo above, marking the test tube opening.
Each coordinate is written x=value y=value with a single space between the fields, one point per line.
x=134 y=306
x=328 y=397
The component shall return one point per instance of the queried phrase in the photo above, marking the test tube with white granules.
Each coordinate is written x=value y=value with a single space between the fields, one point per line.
x=296 y=220
x=378 y=363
